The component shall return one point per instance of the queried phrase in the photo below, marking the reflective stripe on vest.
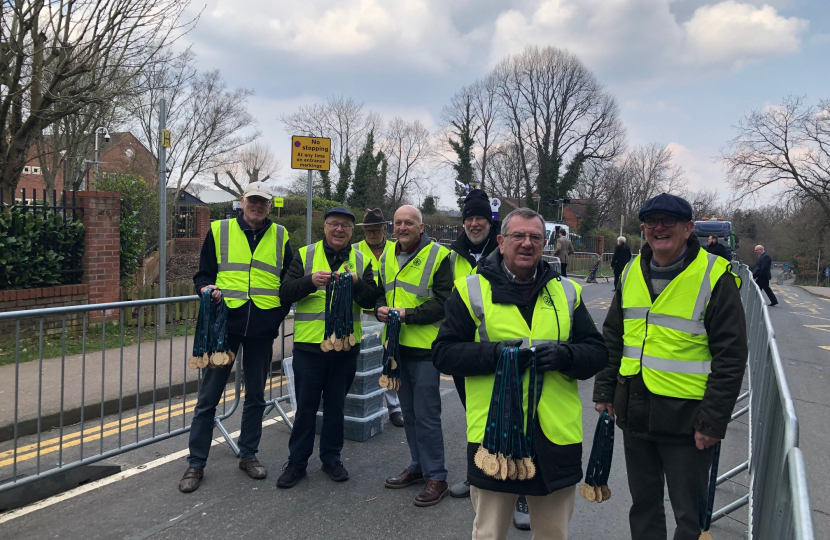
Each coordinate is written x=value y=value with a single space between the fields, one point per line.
x=411 y=286
x=560 y=409
x=460 y=266
x=310 y=315
x=668 y=339
x=241 y=275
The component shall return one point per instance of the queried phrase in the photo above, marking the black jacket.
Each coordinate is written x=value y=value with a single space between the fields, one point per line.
x=622 y=254
x=644 y=414
x=431 y=311
x=717 y=249
x=462 y=247
x=297 y=286
x=246 y=320
x=455 y=352
x=762 y=270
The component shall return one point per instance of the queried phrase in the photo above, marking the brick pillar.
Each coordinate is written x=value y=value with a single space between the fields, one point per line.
x=202 y=221
x=102 y=243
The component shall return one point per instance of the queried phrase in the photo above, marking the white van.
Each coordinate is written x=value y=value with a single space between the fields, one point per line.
x=553 y=228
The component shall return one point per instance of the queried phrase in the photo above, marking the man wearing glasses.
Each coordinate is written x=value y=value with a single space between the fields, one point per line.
x=318 y=374
x=676 y=337
x=517 y=299
x=373 y=248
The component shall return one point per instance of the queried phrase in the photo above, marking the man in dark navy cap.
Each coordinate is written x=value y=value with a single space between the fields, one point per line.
x=319 y=373
x=676 y=337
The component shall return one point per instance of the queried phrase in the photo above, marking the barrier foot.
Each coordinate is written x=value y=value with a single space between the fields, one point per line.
x=227 y=437
x=729 y=508
x=275 y=405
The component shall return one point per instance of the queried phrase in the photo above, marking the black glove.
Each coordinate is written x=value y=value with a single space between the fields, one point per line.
x=552 y=357
x=525 y=354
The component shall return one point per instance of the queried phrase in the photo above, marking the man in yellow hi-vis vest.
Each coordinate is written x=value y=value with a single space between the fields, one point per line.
x=374 y=246
x=517 y=299
x=318 y=374
x=243 y=260
x=676 y=336
x=417 y=279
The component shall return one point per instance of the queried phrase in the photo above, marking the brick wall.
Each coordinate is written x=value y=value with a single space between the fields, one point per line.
x=48 y=297
x=101 y=263
x=201 y=226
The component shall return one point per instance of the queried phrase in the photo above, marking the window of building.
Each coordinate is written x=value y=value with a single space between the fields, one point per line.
x=27 y=170
x=35 y=170
x=129 y=152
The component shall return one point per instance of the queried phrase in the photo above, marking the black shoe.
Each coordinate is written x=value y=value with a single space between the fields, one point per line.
x=290 y=476
x=397 y=419
x=336 y=471
x=521 y=515
x=775 y=304
x=190 y=480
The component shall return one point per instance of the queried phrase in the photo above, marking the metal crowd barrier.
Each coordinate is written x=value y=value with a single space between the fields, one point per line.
x=778 y=499
x=580 y=263
x=61 y=403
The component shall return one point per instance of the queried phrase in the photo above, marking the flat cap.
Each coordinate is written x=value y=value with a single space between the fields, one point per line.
x=338 y=210
x=667 y=204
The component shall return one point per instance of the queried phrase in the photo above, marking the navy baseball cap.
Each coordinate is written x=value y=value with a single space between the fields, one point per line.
x=338 y=210
x=667 y=204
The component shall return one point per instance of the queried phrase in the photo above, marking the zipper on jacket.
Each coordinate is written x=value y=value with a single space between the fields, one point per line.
x=250 y=300
x=643 y=348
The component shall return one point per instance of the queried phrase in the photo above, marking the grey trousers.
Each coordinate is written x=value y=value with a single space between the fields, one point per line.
x=685 y=470
x=420 y=397
x=393 y=404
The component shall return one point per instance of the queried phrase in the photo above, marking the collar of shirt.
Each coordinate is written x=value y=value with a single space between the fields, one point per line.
x=511 y=277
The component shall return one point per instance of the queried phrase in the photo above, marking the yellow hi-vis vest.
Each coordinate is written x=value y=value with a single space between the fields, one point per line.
x=244 y=276
x=667 y=340
x=560 y=410
x=369 y=255
x=411 y=286
x=460 y=266
x=310 y=315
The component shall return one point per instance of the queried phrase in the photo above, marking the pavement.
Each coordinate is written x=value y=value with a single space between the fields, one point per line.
x=143 y=501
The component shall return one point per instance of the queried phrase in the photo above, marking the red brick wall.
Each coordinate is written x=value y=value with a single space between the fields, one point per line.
x=48 y=297
x=101 y=263
x=201 y=226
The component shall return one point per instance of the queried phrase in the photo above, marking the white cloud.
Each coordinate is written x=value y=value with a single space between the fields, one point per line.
x=701 y=167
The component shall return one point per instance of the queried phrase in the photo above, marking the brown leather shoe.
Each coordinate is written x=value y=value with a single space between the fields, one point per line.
x=190 y=480
x=404 y=479
x=253 y=467
x=432 y=493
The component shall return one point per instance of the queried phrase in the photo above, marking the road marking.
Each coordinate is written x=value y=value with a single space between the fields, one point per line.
x=810 y=315
x=175 y=521
x=86 y=488
x=825 y=327
x=825 y=347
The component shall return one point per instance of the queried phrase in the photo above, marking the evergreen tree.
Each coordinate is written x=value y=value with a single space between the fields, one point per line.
x=343 y=182
x=369 y=184
x=326 y=183
x=589 y=220
x=463 y=147
x=428 y=208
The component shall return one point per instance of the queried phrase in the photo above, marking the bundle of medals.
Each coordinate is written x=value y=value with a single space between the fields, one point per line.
x=507 y=449
x=595 y=488
x=339 y=333
x=705 y=507
x=391 y=376
x=210 y=344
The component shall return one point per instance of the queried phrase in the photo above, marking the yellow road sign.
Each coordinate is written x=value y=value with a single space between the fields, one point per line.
x=165 y=138
x=278 y=202
x=310 y=153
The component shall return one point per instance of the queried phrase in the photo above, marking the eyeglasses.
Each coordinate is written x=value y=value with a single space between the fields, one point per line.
x=372 y=230
x=519 y=238
x=668 y=221
x=343 y=226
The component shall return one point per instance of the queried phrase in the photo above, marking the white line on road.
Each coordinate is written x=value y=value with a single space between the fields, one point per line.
x=72 y=493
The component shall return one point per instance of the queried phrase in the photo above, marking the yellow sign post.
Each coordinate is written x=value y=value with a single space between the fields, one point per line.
x=310 y=153
x=165 y=138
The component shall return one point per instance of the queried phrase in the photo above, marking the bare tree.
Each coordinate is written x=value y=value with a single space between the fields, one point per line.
x=407 y=147
x=507 y=173
x=254 y=163
x=58 y=57
x=787 y=147
x=648 y=171
x=486 y=110
x=705 y=203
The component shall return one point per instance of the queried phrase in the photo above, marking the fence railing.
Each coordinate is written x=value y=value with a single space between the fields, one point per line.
x=107 y=391
x=778 y=499
x=178 y=312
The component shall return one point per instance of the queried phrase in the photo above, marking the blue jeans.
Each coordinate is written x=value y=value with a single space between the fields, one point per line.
x=320 y=375
x=420 y=396
x=256 y=361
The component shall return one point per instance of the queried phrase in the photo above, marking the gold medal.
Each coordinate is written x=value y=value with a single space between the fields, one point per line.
x=512 y=473
x=582 y=491
x=338 y=345
x=521 y=472
x=386 y=344
x=606 y=493
x=346 y=345
x=352 y=340
x=530 y=467
x=598 y=494
x=590 y=494
x=205 y=361
x=193 y=362
x=478 y=459
x=502 y=467
x=394 y=363
x=705 y=535
x=383 y=381
x=332 y=338
x=491 y=465
x=231 y=356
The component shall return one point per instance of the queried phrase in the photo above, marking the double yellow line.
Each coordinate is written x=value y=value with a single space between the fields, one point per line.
x=30 y=451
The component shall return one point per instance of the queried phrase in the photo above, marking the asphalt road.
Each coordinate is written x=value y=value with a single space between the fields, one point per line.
x=144 y=501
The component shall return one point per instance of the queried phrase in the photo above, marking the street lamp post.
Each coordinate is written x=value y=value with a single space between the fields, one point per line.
x=106 y=133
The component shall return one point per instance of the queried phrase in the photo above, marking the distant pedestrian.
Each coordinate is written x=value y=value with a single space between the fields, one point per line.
x=243 y=260
x=677 y=350
x=622 y=254
x=762 y=273
x=716 y=248
x=564 y=249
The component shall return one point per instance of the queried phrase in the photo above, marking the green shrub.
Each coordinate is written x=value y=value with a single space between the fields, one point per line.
x=36 y=249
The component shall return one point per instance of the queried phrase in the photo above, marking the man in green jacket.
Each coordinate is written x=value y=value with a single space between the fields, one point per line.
x=676 y=337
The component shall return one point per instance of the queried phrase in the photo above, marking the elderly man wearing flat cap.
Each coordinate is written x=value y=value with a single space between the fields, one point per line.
x=243 y=261
x=373 y=248
x=676 y=338
x=318 y=373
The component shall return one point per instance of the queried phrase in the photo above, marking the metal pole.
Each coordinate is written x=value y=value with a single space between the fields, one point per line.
x=162 y=212
x=308 y=213
x=622 y=221
x=96 y=154
x=818 y=266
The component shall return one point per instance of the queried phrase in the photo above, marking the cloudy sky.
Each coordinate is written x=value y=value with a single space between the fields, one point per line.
x=684 y=71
